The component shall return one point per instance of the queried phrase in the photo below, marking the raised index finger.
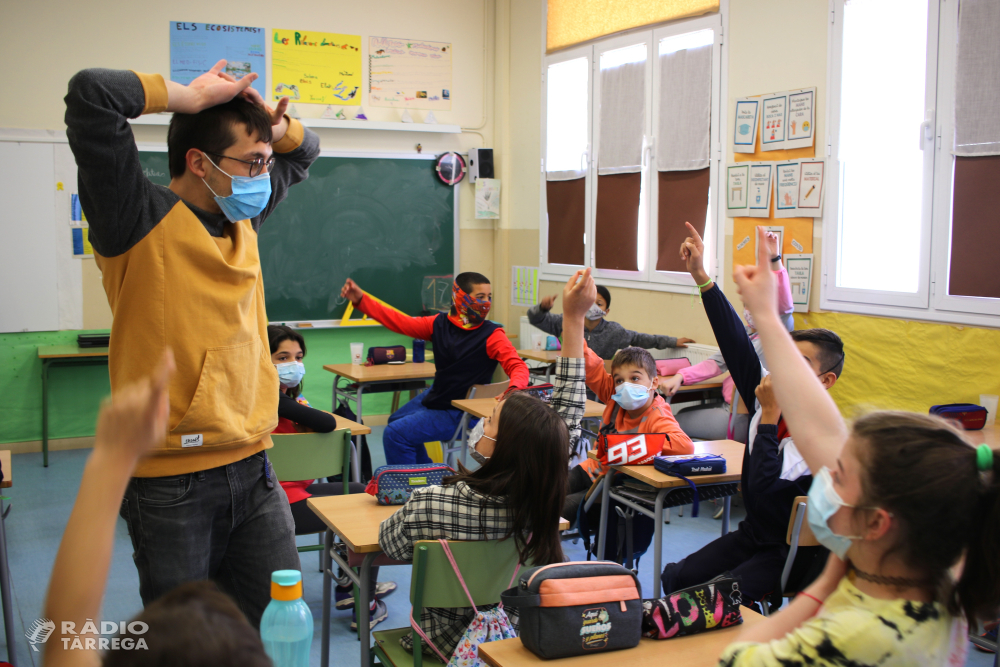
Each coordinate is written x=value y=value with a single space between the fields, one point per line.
x=694 y=232
x=763 y=253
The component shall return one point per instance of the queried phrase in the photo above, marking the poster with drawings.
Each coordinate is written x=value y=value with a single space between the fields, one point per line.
x=774 y=123
x=760 y=189
x=801 y=118
x=196 y=47
x=745 y=125
x=798 y=189
x=737 y=180
x=786 y=189
x=409 y=73
x=800 y=269
x=811 y=188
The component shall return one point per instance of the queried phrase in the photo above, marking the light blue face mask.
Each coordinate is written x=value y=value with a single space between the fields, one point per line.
x=824 y=502
x=477 y=433
x=291 y=373
x=631 y=396
x=250 y=195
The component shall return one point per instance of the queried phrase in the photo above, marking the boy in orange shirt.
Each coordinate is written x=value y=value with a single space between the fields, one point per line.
x=632 y=406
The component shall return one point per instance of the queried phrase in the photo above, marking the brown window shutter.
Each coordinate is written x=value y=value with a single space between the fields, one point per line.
x=683 y=197
x=975 y=228
x=616 y=221
x=566 y=204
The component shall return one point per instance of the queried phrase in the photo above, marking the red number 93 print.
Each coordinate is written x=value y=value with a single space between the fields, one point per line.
x=630 y=448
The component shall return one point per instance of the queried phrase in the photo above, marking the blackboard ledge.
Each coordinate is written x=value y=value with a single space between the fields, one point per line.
x=164 y=119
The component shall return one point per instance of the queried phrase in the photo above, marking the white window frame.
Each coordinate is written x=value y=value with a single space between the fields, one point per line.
x=550 y=271
x=648 y=278
x=931 y=302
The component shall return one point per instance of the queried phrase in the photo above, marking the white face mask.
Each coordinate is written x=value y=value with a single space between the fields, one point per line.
x=595 y=313
x=477 y=433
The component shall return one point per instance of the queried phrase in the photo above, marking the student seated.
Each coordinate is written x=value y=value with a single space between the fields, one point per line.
x=632 y=405
x=518 y=490
x=295 y=415
x=467 y=348
x=711 y=421
x=602 y=336
x=195 y=623
x=909 y=509
x=774 y=472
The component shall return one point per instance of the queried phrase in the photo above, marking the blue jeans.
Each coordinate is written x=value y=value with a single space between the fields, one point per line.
x=222 y=524
x=413 y=425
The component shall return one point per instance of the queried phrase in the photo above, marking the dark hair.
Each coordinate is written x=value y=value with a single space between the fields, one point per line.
x=635 y=356
x=528 y=470
x=922 y=470
x=213 y=130
x=603 y=291
x=276 y=335
x=469 y=278
x=196 y=625
x=831 y=348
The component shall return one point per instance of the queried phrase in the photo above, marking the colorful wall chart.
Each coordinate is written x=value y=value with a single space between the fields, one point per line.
x=409 y=73
x=523 y=286
x=316 y=67
x=745 y=127
x=789 y=120
x=799 y=189
x=196 y=47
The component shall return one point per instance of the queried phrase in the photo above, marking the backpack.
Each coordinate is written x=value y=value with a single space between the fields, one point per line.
x=489 y=625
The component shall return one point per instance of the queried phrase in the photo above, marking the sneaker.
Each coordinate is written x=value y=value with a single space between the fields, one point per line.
x=345 y=599
x=378 y=614
x=990 y=635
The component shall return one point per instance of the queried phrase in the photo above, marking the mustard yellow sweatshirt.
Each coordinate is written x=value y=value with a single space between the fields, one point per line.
x=178 y=276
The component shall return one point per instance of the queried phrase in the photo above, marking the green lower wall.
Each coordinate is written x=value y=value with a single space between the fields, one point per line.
x=75 y=392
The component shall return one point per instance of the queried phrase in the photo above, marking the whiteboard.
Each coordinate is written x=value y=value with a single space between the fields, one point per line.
x=29 y=297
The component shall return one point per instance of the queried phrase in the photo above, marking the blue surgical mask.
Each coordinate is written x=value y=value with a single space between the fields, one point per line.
x=250 y=195
x=631 y=396
x=824 y=502
x=477 y=433
x=291 y=373
x=595 y=313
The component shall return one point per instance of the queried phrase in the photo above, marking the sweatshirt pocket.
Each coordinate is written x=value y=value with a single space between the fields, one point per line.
x=236 y=398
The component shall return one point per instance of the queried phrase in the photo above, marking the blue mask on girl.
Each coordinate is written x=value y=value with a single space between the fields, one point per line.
x=250 y=195
x=631 y=396
x=291 y=373
x=824 y=501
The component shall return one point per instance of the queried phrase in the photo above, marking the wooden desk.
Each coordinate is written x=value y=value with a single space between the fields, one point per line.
x=5 y=600
x=990 y=435
x=483 y=407
x=62 y=355
x=356 y=517
x=544 y=356
x=730 y=450
x=356 y=428
x=694 y=651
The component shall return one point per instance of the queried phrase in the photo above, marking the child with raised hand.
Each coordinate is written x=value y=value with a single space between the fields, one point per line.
x=774 y=472
x=518 y=489
x=900 y=499
x=193 y=624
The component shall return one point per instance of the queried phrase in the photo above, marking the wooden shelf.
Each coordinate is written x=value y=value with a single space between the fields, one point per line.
x=164 y=119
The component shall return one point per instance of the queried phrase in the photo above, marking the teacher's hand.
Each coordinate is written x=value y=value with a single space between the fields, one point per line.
x=351 y=291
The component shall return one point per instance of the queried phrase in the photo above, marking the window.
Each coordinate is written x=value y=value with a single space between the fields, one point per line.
x=906 y=232
x=631 y=148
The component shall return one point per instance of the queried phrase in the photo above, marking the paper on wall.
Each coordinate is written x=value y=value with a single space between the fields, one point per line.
x=811 y=177
x=488 y=198
x=801 y=118
x=316 y=67
x=759 y=196
x=409 y=73
x=786 y=189
x=774 y=123
x=798 y=190
x=196 y=47
x=737 y=189
x=800 y=268
x=523 y=285
x=745 y=125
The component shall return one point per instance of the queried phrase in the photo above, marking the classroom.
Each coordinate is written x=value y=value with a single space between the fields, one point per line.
x=456 y=193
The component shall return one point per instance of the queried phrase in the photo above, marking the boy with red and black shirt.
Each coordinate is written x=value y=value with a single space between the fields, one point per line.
x=467 y=348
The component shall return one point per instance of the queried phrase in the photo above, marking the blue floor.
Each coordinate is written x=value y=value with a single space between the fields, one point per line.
x=41 y=500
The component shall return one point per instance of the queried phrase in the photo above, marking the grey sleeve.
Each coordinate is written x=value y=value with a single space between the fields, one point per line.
x=120 y=203
x=545 y=320
x=721 y=363
x=289 y=168
x=649 y=341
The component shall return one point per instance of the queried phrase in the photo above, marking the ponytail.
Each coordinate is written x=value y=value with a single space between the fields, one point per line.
x=977 y=593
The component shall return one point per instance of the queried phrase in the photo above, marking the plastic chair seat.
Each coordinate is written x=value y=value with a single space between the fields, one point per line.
x=390 y=652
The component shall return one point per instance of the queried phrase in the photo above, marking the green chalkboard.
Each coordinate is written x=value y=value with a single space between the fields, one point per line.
x=387 y=223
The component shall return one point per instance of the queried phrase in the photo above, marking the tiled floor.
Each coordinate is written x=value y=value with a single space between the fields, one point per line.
x=42 y=498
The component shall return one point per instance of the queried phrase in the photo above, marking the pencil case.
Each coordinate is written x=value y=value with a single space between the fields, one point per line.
x=969 y=416
x=633 y=449
x=690 y=464
x=542 y=391
x=709 y=606
x=577 y=608
x=392 y=485
x=383 y=355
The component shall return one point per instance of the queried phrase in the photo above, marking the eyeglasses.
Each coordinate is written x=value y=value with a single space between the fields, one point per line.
x=257 y=165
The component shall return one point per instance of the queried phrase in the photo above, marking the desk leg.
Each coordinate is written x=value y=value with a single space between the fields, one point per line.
x=8 y=614
x=363 y=609
x=725 y=515
x=658 y=540
x=603 y=525
x=356 y=461
x=327 y=586
x=45 y=412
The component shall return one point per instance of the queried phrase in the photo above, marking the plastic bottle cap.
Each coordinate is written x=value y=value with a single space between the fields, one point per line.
x=286 y=585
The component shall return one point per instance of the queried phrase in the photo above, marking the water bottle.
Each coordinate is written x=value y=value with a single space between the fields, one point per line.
x=287 y=624
x=418 y=350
